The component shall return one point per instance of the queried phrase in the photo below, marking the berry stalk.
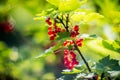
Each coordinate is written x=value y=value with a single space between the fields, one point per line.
x=76 y=47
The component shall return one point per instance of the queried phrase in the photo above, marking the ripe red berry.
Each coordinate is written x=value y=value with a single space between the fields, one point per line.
x=74 y=61
x=73 y=55
x=71 y=66
x=52 y=37
x=68 y=43
x=66 y=52
x=50 y=28
x=73 y=34
x=50 y=32
x=79 y=42
x=76 y=28
x=48 y=21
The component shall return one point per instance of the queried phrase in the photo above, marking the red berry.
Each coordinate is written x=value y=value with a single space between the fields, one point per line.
x=48 y=19
x=68 y=43
x=66 y=52
x=73 y=34
x=49 y=23
x=79 y=42
x=52 y=37
x=74 y=61
x=50 y=32
x=49 y=28
x=76 y=28
x=71 y=42
x=73 y=55
x=71 y=66
x=65 y=43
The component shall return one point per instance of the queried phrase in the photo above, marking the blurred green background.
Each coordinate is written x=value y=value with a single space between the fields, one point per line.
x=23 y=38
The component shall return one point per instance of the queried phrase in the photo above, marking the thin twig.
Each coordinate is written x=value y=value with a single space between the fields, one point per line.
x=61 y=20
x=75 y=45
x=67 y=20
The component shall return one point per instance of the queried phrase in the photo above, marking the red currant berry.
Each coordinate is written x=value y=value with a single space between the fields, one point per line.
x=76 y=28
x=49 y=28
x=65 y=43
x=48 y=19
x=79 y=42
x=49 y=23
x=74 y=61
x=73 y=55
x=52 y=37
x=66 y=52
x=50 y=32
x=73 y=34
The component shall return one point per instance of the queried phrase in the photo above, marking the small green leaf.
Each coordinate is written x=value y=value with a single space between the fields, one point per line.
x=68 y=5
x=40 y=16
x=74 y=71
x=50 y=50
x=54 y=2
x=108 y=44
x=112 y=45
x=46 y=53
x=106 y=64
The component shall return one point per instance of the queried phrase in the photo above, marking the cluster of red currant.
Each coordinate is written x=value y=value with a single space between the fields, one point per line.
x=69 y=55
x=70 y=42
x=70 y=59
x=53 y=29
x=74 y=32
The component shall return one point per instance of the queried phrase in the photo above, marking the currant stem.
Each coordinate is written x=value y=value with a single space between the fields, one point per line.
x=76 y=47
x=67 y=20
x=61 y=21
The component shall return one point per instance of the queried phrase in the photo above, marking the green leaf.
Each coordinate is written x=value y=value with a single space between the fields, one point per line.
x=68 y=5
x=46 y=53
x=106 y=64
x=63 y=35
x=112 y=45
x=40 y=16
x=108 y=44
x=73 y=71
x=92 y=16
x=85 y=16
x=78 y=16
x=54 y=2
x=96 y=44
x=50 y=50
